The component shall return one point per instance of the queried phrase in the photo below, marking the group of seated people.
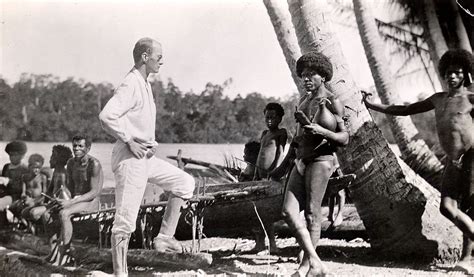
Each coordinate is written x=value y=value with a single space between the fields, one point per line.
x=34 y=196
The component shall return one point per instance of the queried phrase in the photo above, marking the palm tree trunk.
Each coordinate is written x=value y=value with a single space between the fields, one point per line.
x=280 y=17
x=459 y=28
x=433 y=35
x=399 y=209
x=414 y=150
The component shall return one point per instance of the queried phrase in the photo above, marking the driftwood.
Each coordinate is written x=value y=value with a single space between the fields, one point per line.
x=143 y=257
x=90 y=254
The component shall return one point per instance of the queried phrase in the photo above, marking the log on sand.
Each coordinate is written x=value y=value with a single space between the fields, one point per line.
x=87 y=253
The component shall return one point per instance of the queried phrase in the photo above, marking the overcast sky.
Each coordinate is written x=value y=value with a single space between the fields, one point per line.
x=204 y=41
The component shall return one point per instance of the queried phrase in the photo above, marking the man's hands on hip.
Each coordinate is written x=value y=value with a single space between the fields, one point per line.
x=140 y=150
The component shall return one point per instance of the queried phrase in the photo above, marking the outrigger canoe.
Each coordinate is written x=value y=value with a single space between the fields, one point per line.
x=220 y=207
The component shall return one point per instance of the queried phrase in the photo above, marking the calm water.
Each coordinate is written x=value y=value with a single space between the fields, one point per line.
x=212 y=153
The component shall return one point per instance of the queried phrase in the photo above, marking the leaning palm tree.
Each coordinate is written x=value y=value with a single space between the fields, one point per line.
x=280 y=17
x=426 y=13
x=399 y=209
x=414 y=150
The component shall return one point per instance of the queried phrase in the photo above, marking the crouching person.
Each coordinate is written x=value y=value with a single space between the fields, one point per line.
x=130 y=117
x=85 y=181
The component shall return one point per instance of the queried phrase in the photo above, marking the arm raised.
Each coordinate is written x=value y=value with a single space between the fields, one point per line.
x=414 y=108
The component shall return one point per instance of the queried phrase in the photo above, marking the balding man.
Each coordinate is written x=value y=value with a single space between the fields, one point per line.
x=130 y=117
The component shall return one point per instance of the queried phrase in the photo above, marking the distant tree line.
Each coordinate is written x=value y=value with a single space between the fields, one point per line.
x=45 y=108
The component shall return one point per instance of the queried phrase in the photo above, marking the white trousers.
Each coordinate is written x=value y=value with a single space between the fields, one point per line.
x=131 y=178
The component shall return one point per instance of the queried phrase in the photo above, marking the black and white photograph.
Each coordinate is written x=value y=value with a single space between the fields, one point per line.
x=236 y=138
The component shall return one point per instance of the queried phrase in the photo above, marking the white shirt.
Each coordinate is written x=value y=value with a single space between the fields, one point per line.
x=131 y=112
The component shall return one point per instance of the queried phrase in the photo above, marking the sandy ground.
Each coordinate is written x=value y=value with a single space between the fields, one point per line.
x=232 y=257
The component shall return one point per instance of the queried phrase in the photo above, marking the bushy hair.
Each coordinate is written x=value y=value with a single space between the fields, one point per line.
x=252 y=148
x=17 y=146
x=83 y=137
x=275 y=107
x=64 y=153
x=458 y=57
x=317 y=62
x=36 y=158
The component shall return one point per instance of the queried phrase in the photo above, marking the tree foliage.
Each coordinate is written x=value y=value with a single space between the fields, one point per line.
x=44 y=108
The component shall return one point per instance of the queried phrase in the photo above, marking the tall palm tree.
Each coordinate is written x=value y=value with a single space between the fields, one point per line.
x=414 y=150
x=428 y=13
x=280 y=17
x=433 y=34
x=398 y=208
x=458 y=26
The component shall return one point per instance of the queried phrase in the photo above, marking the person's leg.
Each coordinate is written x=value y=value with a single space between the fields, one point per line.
x=130 y=179
x=293 y=201
x=453 y=187
x=37 y=212
x=467 y=207
x=181 y=187
x=274 y=250
x=331 y=205
x=5 y=202
x=259 y=236
x=317 y=175
x=341 y=201
x=65 y=216
x=52 y=229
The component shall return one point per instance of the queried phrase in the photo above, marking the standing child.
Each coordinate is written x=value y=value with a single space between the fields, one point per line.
x=34 y=184
x=14 y=171
x=272 y=141
x=272 y=145
x=453 y=112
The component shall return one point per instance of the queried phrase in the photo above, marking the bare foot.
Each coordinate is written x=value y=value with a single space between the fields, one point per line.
x=463 y=266
x=317 y=268
x=318 y=271
x=304 y=266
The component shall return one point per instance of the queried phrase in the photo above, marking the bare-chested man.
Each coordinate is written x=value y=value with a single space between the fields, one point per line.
x=453 y=112
x=85 y=180
x=272 y=141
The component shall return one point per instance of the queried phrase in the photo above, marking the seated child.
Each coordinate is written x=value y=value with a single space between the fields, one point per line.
x=251 y=150
x=34 y=184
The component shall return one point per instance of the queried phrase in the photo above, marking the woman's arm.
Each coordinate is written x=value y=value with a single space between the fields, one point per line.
x=341 y=136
